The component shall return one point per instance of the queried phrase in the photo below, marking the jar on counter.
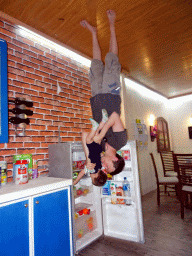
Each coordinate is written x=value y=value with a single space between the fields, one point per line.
x=20 y=172
x=3 y=166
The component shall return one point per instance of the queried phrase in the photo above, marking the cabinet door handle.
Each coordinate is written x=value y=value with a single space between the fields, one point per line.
x=26 y=205
x=37 y=202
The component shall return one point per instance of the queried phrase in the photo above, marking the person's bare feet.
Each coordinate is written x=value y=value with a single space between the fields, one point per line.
x=86 y=24
x=111 y=16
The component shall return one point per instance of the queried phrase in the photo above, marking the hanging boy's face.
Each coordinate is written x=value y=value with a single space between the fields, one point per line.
x=107 y=162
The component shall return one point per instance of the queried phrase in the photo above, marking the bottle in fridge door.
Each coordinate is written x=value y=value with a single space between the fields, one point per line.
x=127 y=190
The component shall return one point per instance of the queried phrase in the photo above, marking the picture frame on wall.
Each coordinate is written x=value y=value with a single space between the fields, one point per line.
x=4 y=93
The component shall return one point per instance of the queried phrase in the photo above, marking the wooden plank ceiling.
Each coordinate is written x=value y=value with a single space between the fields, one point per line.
x=154 y=36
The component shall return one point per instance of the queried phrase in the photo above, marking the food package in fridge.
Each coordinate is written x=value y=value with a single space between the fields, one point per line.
x=120 y=192
x=113 y=193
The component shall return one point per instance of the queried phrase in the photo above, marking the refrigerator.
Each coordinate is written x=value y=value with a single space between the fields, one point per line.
x=96 y=210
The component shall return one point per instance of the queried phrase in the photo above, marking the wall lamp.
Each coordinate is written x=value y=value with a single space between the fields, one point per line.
x=153 y=128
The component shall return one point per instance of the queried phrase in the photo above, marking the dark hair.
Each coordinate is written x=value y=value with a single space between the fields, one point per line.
x=101 y=179
x=119 y=165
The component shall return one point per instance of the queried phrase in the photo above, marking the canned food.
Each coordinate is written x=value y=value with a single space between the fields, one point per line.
x=21 y=172
x=3 y=178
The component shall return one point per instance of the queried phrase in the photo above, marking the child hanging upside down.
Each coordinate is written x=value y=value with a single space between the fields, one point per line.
x=93 y=150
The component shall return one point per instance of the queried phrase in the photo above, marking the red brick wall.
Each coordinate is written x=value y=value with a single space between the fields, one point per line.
x=33 y=72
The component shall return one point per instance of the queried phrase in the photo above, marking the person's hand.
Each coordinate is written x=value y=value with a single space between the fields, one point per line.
x=97 y=139
x=90 y=166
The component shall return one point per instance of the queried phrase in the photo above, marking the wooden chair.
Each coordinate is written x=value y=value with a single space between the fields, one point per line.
x=168 y=164
x=165 y=181
x=183 y=164
x=182 y=160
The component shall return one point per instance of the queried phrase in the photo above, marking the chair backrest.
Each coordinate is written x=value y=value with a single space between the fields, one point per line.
x=181 y=161
x=185 y=175
x=167 y=161
x=155 y=168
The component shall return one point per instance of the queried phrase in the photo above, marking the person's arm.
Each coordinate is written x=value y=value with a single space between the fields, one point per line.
x=80 y=175
x=89 y=166
x=85 y=148
x=114 y=121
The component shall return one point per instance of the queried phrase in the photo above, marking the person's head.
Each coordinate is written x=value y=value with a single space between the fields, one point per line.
x=119 y=165
x=100 y=179
x=113 y=163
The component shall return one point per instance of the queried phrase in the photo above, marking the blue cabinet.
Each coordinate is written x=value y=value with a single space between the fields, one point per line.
x=14 y=229
x=51 y=224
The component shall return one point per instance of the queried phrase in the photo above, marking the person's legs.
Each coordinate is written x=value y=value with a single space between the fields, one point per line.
x=113 y=47
x=111 y=77
x=96 y=47
x=97 y=68
x=90 y=136
x=103 y=121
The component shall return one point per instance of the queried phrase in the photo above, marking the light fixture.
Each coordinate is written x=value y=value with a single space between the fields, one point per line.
x=191 y=120
x=153 y=128
x=151 y=120
x=145 y=92
x=58 y=48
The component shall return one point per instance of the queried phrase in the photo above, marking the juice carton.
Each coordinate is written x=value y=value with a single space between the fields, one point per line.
x=126 y=155
x=113 y=193
x=120 y=192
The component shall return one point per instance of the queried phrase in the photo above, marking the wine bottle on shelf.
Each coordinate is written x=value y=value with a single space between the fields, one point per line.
x=18 y=111
x=18 y=101
x=17 y=120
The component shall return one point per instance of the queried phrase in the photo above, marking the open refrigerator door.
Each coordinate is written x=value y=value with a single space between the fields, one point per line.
x=122 y=211
x=86 y=205
x=66 y=160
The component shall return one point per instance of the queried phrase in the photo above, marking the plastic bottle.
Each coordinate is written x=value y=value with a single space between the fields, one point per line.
x=126 y=189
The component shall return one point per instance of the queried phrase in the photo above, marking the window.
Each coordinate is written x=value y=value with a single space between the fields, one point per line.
x=163 y=143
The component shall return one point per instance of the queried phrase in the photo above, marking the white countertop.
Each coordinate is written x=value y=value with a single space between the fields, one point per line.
x=13 y=191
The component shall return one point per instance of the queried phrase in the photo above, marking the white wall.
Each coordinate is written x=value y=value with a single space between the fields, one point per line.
x=139 y=105
x=180 y=111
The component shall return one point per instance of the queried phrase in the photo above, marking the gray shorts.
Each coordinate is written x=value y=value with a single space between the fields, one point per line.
x=105 y=79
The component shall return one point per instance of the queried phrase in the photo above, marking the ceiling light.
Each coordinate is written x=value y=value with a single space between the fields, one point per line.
x=144 y=91
x=58 y=48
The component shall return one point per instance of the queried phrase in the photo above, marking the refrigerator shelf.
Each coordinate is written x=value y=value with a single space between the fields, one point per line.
x=121 y=197
x=114 y=181
x=109 y=202
x=81 y=206
x=83 y=191
x=86 y=224
x=87 y=239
